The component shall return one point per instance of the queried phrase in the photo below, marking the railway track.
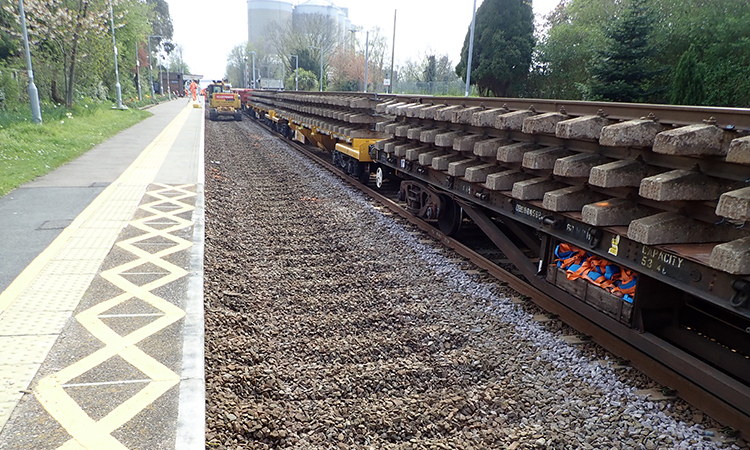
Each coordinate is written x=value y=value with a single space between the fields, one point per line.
x=693 y=355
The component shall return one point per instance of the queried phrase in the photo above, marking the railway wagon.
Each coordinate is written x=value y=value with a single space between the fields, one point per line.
x=633 y=216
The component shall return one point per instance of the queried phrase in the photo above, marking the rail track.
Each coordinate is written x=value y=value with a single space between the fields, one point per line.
x=567 y=162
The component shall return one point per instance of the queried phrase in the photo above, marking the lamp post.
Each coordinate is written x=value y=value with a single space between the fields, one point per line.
x=36 y=110
x=150 y=68
x=138 y=68
x=367 y=56
x=471 y=49
x=321 y=66
x=114 y=46
x=296 y=72
x=245 y=75
x=253 y=53
x=393 y=52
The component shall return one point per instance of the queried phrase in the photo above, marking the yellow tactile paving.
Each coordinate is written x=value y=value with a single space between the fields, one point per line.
x=36 y=323
x=87 y=433
x=47 y=285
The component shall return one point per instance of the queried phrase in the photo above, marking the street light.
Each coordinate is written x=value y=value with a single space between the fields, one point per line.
x=253 y=53
x=114 y=46
x=138 y=68
x=471 y=49
x=296 y=72
x=367 y=57
x=321 y=66
x=245 y=75
x=36 y=110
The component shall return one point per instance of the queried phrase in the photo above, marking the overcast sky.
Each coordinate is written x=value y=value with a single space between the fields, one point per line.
x=437 y=25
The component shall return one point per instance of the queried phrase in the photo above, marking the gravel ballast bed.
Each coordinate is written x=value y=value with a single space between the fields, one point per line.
x=331 y=325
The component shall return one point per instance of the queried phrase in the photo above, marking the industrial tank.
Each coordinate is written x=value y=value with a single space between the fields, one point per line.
x=262 y=13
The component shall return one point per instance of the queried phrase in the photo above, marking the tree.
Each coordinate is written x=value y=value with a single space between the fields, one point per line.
x=624 y=71
x=503 y=45
x=687 y=85
x=567 y=50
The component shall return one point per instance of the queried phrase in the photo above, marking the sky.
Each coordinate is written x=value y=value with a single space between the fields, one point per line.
x=439 y=26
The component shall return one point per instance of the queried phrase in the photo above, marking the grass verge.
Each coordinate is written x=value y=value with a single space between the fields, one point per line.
x=28 y=150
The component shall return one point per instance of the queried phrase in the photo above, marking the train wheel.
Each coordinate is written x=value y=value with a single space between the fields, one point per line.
x=379 y=177
x=450 y=218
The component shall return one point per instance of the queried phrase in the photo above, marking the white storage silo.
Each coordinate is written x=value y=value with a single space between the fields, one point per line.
x=262 y=13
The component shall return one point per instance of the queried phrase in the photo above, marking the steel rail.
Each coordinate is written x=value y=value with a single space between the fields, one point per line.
x=678 y=115
x=699 y=396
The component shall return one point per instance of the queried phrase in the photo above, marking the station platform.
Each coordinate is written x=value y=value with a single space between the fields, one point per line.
x=101 y=295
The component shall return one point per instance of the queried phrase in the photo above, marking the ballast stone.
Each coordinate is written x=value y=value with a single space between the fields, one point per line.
x=732 y=257
x=584 y=128
x=691 y=140
x=633 y=133
x=735 y=204
x=571 y=198
x=680 y=185
x=624 y=173
x=578 y=166
x=614 y=212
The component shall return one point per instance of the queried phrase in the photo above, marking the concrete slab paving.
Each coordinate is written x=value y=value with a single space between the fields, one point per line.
x=102 y=321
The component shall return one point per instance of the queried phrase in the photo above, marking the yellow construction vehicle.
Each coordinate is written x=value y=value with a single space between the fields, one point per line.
x=222 y=101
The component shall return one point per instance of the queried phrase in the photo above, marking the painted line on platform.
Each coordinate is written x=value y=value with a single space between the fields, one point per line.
x=39 y=288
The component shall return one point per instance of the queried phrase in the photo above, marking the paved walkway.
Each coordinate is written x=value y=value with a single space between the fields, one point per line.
x=101 y=303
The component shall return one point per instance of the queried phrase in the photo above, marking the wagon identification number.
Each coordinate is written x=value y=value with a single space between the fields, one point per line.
x=664 y=263
x=530 y=212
